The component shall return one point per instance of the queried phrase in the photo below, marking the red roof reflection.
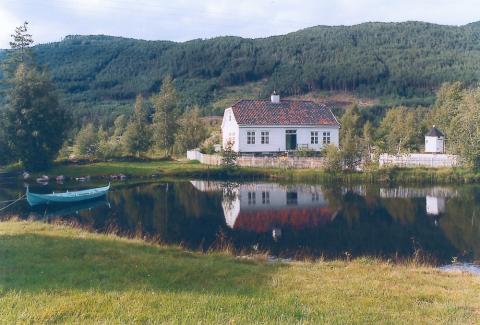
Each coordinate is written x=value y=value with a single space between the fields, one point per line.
x=260 y=221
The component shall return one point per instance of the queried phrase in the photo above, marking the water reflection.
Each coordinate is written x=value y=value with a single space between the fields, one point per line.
x=435 y=197
x=269 y=207
x=287 y=220
x=329 y=221
x=65 y=210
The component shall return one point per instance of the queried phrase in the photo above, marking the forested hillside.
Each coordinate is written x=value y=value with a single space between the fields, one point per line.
x=375 y=59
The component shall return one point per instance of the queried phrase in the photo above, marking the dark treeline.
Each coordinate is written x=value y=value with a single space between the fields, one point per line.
x=409 y=59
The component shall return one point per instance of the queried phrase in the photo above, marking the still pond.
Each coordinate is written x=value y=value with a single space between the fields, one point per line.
x=284 y=220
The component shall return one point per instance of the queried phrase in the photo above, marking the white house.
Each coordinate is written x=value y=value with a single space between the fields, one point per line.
x=263 y=126
x=434 y=141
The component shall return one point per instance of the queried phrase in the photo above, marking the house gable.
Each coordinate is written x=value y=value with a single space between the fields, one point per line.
x=230 y=129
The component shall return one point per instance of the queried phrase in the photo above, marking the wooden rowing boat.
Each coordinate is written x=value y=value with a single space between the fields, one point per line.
x=66 y=197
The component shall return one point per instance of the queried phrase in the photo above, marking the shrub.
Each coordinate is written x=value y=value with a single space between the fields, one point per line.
x=333 y=158
x=229 y=156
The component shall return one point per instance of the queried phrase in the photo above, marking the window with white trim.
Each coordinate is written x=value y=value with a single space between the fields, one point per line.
x=326 y=137
x=314 y=137
x=250 y=137
x=265 y=137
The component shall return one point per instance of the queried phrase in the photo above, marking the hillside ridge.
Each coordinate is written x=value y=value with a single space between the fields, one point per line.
x=397 y=60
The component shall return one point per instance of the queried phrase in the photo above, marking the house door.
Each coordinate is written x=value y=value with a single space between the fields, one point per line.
x=291 y=139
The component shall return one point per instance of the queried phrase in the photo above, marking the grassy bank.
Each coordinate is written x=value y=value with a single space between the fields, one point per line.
x=51 y=273
x=137 y=169
x=183 y=168
x=400 y=176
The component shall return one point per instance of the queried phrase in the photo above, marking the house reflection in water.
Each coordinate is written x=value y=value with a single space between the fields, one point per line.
x=271 y=208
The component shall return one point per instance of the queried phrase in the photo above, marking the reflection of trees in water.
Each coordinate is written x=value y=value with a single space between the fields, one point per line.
x=134 y=208
x=353 y=207
x=349 y=204
x=364 y=225
x=196 y=203
x=230 y=194
x=172 y=212
x=403 y=211
x=461 y=222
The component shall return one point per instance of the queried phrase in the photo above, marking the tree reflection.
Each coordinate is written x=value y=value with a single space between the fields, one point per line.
x=326 y=220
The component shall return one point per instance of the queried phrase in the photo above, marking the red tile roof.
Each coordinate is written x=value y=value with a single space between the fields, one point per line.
x=287 y=112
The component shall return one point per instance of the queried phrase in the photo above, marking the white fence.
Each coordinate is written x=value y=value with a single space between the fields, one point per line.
x=419 y=160
x=266 y=162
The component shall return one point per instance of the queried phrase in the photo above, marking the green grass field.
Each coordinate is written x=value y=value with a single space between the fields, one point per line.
x=133 y=168
x=59 y=274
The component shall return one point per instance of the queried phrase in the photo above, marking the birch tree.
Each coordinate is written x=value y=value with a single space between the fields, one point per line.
x=137 y=137
x=191 y=131
x=164 y=119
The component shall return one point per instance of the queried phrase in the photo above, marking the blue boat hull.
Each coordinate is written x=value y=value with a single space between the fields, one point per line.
x=66 y=197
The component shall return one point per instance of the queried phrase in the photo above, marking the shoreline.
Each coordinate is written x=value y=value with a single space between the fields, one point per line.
x=160 y=169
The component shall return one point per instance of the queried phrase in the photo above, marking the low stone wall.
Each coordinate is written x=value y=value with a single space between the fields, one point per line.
x=419 y=160
x=265 y=162
x=281 y=162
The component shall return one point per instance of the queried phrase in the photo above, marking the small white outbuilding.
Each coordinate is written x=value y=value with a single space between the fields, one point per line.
x=434 y=141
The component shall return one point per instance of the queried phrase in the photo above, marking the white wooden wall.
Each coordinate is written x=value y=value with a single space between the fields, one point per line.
x=277 y=138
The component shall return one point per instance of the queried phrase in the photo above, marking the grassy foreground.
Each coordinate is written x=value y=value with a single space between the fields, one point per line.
x=52 y=273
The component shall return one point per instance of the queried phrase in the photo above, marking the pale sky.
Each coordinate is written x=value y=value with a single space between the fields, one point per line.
x=181 y=20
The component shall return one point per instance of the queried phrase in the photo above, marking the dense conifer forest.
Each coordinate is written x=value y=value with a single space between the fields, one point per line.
x=101 y=75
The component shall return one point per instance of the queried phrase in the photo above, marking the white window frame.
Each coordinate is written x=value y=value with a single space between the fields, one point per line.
x=327 y=137
x=314 y=137
x=265 y=137
x=250 y=137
